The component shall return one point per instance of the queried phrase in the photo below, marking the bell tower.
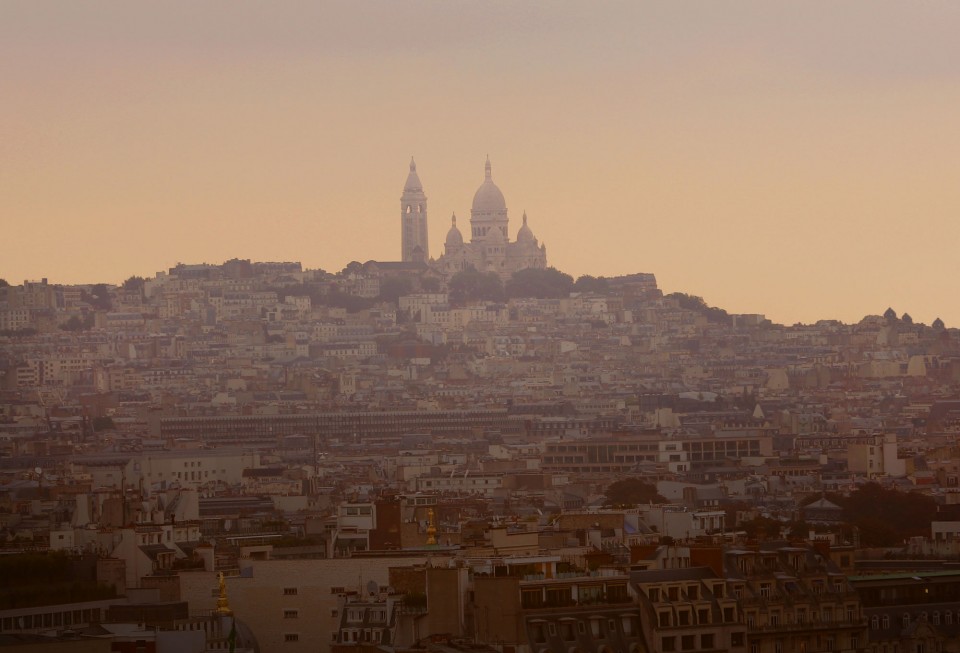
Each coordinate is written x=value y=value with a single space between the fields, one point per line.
x=413 y=219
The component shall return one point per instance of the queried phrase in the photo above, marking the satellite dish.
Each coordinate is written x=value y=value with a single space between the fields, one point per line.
x=38 y=470
x=372 y=588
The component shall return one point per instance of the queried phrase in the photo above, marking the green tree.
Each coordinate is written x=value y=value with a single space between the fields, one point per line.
x=135 y=284
x=631 y=491
x=339 y=299
x=694 y=303
x=98 y=297
x=550 y=283
x=586 y=283
x=471 y=285
x=430 y=284
x=353 y=267
x=393 y=288
x=75 y=323
x=888 y=517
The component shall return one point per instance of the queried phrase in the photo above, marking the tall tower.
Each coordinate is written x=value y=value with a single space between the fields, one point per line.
x=413 y=219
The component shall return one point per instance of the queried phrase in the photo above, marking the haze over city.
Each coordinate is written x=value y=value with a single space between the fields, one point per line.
x=792 y=159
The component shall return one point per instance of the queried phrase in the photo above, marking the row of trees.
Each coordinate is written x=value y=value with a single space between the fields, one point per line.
x=550 y=283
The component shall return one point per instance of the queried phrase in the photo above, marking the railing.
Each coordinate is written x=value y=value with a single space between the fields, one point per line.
x=808 y=625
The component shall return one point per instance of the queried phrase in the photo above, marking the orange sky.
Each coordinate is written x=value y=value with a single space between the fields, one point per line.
x=794 y=159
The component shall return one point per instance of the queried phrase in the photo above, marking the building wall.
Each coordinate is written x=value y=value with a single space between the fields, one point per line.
x=277 y=589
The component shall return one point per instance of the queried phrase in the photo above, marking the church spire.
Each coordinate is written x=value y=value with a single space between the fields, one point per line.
x=413 y=218
x=413 y=179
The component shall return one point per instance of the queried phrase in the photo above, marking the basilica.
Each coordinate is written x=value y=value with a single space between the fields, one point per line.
x=489 y=248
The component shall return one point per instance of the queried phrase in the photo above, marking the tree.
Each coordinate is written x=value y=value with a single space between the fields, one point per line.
x=887 y=517
x=938 y=324
x=631 y=491
x=98 y=297
x=694 y=303
x=906 y=319
x=3 y=283
x=75 y=323
x=890 y=314
x=586 y=283
x=393 y=288
x=339 y=299
x=353 y=267
x=430 y=284
x=471 y=285
x=550 y=283
x=135 y=284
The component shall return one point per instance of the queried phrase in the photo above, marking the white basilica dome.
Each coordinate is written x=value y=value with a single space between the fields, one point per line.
x=488 y=198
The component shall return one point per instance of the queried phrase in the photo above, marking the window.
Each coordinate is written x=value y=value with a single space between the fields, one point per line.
x=291 y=637
x=290 y=614
x=289 y=591
x=668 y=644
x=687 y=642
x=538 y=635
x=706 y=641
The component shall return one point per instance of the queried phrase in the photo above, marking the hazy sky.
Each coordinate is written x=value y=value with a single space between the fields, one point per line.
x=798 y=159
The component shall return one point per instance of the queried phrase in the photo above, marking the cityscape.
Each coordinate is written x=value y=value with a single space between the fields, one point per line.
x=472 y=451
x=479 y=327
